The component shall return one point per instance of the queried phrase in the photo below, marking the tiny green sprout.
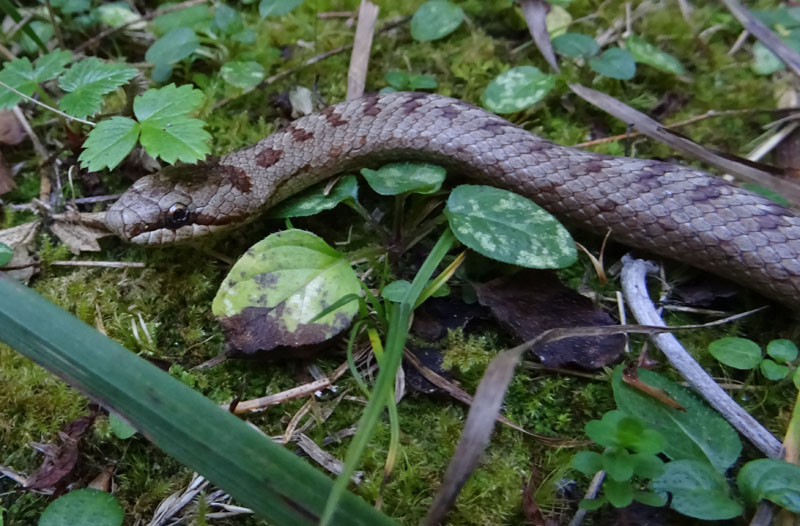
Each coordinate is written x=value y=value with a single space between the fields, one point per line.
x=629 y=459
x=741 y=353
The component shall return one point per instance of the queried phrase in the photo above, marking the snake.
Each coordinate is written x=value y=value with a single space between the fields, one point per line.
x=668 y=209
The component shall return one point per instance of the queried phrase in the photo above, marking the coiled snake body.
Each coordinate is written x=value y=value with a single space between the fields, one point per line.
x=669 y=209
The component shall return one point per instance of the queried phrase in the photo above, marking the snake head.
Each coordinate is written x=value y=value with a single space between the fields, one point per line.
x=177 y=204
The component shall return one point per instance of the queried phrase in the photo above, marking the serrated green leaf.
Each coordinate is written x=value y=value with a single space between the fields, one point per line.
x=175 y=139
x=697 y=433
x=771 y=479
x=6 y=253
x=782 y=350
x=87 y=81
x=697 y=490
x=435 y=19
x=279 y=286
x=277 y=7
x=615 y=63
x=23 y=76
x=646 y=53
x=507 y=227
x=242 y=74
x=401 y=178
x=575 y=45
x=314 y=200
x=739 y=353
x=51 y=65
x=172 y=47
x=166 y=103
x=517 y=89
x=83 y=506
x=109 y=143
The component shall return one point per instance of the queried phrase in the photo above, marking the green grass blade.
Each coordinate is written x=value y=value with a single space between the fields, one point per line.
x=186 y=425
x=9 y=9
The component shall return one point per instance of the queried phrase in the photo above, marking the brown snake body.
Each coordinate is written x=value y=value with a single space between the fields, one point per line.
x=669 y=209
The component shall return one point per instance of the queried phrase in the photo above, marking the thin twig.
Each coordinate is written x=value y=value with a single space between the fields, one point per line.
x=362 y=43
x=104 y=264
x=144 y=18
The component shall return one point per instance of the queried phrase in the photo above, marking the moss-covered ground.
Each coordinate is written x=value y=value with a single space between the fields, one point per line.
x=171 y=296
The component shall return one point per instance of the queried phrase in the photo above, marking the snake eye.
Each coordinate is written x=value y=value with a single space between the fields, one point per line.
x=177 y=215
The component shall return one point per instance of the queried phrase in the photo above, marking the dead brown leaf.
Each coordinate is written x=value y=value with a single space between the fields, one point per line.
x=532 y=301
x=79 y=231
x=11 y=130
x=6 y=177
x=60 y=460
x=21 y=239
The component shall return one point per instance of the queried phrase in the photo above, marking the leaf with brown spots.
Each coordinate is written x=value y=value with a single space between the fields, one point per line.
x=532 y=301
x=275 y=292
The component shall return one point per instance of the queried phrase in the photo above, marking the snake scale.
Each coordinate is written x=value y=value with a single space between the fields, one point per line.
x=671 y=210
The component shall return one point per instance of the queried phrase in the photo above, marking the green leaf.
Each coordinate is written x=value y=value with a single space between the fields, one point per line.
x=647 y=465
x=121 y=429
x=172 y=47
x=648 y=498
x=697 y=490
x=403 y=81
x=396 y=290
x=6 y=253
x=771 y=479
x=9 y=9
x=587 y=462
x=284 y=281
x=192 y=17
x=180 y=139
x=615 y=63
x=507 y=227
x=604 y=431
x=277 y=7
x=592 y=504
x=697 y=433
x=109 y=143
x=227 y=19
x=517 y=89
x=765 y=62
x=739 y=353
x=115 y=14
x=166 y=103
x=782 y=350
x=773 y=371
x=647 y=53
x=23 y=76
x=87 y=81
x=575 y=45
x=314 y=200
x=619 y=494
x=435 y=19
x=242 y=74
x=83 y=506
x=796 y=378
x=33 y=33
x=618 y=464
x=401 y=178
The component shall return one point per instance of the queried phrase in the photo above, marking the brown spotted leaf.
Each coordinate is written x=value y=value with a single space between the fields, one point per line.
x=532 y=301
x=274 y=293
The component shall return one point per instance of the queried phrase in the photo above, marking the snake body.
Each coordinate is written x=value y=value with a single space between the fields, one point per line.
x=672 y=210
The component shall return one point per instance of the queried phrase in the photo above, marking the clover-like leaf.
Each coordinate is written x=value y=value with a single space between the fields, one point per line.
x=782 y=350
x=87 y=81
x=517 y=89
x=507 y=227
x=401 y=178
x=109 y=143
x=739 y=353
x=272 y=294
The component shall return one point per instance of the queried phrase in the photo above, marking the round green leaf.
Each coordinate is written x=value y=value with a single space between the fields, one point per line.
x=245 y=74
x=782 y=350
x=697 y=490
x=6 y=253
x=83 y=507
x=396 y=290
x=647 y=53
x=315 y=200
x=575 y=45
x=173 y=47
x=771 y=479
x=587 y=462
x=772 y=370
x=435 y=19
x=400 y=178
x=507 y=227
x=739 y=353
x=615 y=63
x=618 y=493
x=517 y=89
x=274 y=293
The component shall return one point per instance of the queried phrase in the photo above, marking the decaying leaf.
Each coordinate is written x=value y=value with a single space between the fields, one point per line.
x=78 y=231
x=6 y=177
x=532 y=301
x=60 y=460
x=21 y=239
x=11 y=130
x=273 y=294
